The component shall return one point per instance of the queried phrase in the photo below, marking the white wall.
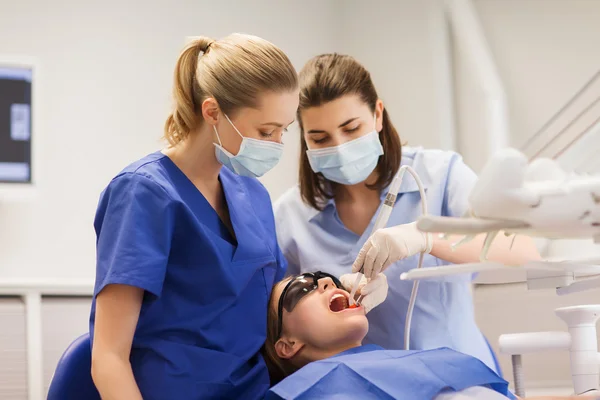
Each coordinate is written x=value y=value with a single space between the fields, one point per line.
x=105 y=78
x=402 y=44
x=544 y=50
x=105 y=81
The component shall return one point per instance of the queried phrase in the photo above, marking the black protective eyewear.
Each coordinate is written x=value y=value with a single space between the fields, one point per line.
x=296 y=289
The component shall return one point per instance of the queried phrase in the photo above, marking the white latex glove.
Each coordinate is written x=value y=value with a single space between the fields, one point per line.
x=386 y=246
x=374 y=291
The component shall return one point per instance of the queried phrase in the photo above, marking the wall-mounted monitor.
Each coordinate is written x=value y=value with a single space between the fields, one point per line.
x=19 y=138
x=16 y=136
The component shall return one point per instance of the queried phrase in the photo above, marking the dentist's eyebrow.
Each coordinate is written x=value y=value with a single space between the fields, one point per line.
x=347 y=122
x=277 y=124
x=313 y=131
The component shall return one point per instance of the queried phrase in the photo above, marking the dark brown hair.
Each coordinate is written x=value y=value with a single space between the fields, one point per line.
x=326 y=78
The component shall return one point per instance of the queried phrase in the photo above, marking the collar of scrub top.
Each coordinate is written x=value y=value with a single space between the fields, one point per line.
x=408 y=184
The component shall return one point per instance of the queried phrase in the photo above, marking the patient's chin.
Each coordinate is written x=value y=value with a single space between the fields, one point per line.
x=356 y=328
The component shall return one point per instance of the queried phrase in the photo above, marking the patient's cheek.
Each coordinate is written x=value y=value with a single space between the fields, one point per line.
x=310 y=319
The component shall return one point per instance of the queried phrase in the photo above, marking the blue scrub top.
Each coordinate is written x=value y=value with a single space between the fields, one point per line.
x=203 y=318
x=370 y=372
x=443 y=316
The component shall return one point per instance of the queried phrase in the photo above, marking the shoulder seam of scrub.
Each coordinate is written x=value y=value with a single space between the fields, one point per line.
x=146 y=177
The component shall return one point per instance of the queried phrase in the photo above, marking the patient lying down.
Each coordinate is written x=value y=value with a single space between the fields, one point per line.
x=314 y=350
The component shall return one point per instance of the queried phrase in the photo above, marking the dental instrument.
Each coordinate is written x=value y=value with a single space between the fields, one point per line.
x=380 y=222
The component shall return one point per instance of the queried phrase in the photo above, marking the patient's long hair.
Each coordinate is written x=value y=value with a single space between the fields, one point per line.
x=278 y=368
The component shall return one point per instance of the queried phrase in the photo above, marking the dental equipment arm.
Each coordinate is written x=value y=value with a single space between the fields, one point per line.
x=517 y=344
x=580 y=341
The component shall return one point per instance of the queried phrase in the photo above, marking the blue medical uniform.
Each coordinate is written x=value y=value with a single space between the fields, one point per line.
x=443 y=315
x=370 y=372
x=203 y=319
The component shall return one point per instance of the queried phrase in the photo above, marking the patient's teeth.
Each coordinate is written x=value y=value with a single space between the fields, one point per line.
x=338 y=305
x=335 y=296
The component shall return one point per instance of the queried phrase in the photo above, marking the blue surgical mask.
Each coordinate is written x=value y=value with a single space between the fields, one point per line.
x=255 y=157
x=349 y=163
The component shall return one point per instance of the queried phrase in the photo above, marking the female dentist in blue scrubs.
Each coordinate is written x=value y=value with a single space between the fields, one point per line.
x=186 y=250
x=350 y=152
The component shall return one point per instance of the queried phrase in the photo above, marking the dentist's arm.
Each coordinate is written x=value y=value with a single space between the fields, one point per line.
x=386 y=246
x=117 y=312
x=523 y=250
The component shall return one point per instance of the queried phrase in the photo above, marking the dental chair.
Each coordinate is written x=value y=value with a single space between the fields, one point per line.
x=73 y=378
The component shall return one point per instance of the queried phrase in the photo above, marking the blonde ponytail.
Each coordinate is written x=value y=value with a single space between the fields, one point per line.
x=183 y=118
x=234 y=71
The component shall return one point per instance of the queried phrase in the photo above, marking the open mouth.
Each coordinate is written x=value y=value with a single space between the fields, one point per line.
x=338 y=302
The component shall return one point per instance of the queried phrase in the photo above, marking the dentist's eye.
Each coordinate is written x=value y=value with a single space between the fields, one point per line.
x=266 y=134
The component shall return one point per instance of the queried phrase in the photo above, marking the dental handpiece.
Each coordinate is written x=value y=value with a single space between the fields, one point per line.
x=380 y=222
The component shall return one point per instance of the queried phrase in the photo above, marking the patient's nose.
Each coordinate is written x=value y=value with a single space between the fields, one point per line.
x=325 y=283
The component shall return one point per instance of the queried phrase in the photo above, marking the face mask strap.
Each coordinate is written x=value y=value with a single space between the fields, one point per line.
x=375 y=121
x=236 y=129
x=217 y=133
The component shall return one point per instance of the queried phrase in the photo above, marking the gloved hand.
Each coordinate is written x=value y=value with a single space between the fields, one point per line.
x=386 y=246
x=374 y=291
